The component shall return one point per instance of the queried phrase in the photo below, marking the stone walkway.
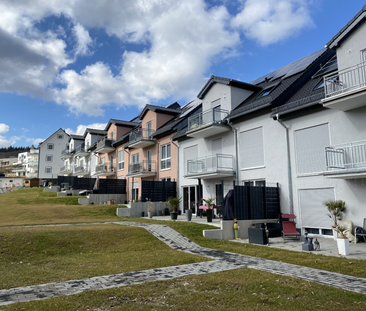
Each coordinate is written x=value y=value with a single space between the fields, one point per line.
x=222 y=261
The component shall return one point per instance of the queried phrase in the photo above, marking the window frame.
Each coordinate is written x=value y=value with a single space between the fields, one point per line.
x=121 y=160
x=49 y=155
x=166 y=159
x=46 y=168
x=50 y=145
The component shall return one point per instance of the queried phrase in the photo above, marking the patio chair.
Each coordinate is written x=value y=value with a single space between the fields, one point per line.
x=289 y=230
x=361 y=231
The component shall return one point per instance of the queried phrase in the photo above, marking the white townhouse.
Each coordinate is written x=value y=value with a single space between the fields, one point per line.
x=27 y=164
x=49 y=161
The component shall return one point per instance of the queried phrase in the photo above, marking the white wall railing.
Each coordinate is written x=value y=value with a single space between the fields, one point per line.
x=345 y=80
x=346 y=156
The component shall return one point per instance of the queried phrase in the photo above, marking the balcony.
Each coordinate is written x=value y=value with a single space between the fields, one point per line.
x=81 y=170
x=213 y=166
x=207 y=123
x=81 y=151
x=141 y=138
x=142 y=169
x=19 y=169
x=346 y=89
x=105 y=170
x=66 y=170
x=66 y=153
x=346 y=161
x=105 y=146
x=33 y=163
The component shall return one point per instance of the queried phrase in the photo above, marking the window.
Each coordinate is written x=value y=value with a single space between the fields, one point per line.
x=48 y=158
x=165 y=161
x=148 y=129
x=251 y=148
x=112 y=136
x=48 y=170
x=310 y=146
x=167 y=179
x=60 y=136
x=266 y=91
x=121 y=160
x=319 y=85
x=190 y=153
x=50 y=146
x=102 y=161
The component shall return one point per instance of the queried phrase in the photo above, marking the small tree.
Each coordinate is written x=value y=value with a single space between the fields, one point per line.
x=335 y=210
x=209 y=202
x=174 y=203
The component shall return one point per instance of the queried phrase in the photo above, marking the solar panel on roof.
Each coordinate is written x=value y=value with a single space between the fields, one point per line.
x=290 y=69
x=329 y=66
x=189 y=107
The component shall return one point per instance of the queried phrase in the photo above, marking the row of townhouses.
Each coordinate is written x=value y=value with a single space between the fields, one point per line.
x=302 y=127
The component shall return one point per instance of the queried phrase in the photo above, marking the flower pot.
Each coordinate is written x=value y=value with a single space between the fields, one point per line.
x=189 y=214
x=150 y=214
x=335 y=234
x=173 y=215
x=343 y=246
x=209 y=215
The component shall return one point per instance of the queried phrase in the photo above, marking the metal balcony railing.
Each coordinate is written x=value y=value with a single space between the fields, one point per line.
x=213 y=115
x=346 y=156
x=19 y=169
x=211 y=164
x=65 y=152
x=104 y=143
x=65 y=169
x=80 y=148
x=100 y=169
x=81 y=169
x=140 y=134
x=345 y=80
x=142 y=167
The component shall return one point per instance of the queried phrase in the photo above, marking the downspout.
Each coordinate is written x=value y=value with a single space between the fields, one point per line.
x=289 y=174
x=171 y=139
x=234 y=130
x=128 y=180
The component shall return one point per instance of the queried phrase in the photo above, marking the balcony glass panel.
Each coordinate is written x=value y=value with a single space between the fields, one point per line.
x=104 y=143
x=100 y=169
x=211 y=164
x=81 y=169
x=80 y=148
x=346 y=80
x=346 y=156
x=141 y=134
x=214 y=115
x=142 y=167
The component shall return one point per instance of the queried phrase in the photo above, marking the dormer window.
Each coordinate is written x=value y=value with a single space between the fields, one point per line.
x=112 y=136
x=266 y=91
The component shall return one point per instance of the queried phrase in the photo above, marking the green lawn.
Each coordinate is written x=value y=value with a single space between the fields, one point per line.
x=39 y=255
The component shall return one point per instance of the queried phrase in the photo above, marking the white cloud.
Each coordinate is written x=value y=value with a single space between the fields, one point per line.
x=4 y=143
x=181 y=40
x=35 y=141
x=270 y=21
x=4 y=128
x=83 y=40
x=80 y=130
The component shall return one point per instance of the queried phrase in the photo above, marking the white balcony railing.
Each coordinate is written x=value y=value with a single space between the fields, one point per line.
x=345 y=80
x=346 y=156
x=81 y=169
x=211 y=164
x=213 y=115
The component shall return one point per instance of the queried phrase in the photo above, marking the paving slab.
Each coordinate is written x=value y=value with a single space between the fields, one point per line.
x=221 y=261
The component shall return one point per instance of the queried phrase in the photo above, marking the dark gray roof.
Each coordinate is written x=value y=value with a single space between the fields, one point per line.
x=235 y=83
x=180 y=121
x=346 y=30
x=173 y=111
x=284 y=86
x=121 y=123
x=306 y=96
x=122 y=140
x=94 y=131
x=78 y=137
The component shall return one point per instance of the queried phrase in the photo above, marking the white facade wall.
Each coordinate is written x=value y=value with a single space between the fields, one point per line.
x=59 y=142
x=344 y=127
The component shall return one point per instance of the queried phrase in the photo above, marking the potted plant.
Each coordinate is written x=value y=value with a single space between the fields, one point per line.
x=149 y=209
x=174 y=204
x=209 y=204
x=335 y=208
x=342 y=241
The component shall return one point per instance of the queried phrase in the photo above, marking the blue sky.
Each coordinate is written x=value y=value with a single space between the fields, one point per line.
x=77 y=64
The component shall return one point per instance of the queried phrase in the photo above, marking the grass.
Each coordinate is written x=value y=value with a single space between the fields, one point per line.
x=41 y=255
x=243 y=289
x=38 y=255
x=33 y=206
